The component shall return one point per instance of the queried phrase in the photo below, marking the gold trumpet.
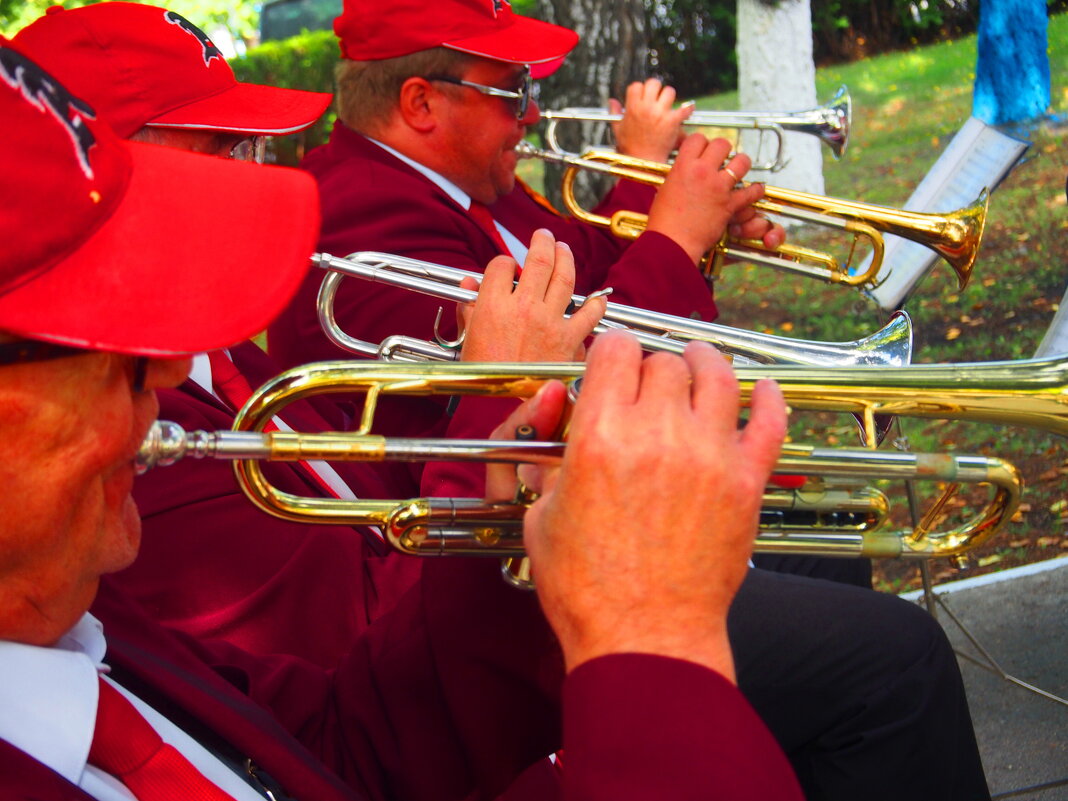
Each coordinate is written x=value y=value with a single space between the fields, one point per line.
x=835 y=524
x=955 y=236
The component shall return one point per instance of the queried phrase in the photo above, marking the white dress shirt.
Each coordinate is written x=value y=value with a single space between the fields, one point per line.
x=48 y=699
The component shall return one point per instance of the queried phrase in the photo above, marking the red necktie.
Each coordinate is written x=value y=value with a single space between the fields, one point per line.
x=227 y=380
x=126 y=746
x=480 y=213
x=537 y=197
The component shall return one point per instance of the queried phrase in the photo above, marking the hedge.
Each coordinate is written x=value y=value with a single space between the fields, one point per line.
x=301 y=62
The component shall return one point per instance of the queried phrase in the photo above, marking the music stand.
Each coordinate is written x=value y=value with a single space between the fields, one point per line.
x=978 y=157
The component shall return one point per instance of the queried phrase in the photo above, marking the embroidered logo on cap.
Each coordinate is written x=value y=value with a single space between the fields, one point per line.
x=43 y=92
x=210 y=50
x=499 y=5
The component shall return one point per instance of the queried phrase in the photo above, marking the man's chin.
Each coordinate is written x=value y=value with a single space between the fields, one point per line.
x=128 y=538
x=506 y=184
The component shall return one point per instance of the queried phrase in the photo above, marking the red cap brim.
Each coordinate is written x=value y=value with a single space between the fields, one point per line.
x=250 y=108
x=201 y=253
x=525 y=41
x=546 y=68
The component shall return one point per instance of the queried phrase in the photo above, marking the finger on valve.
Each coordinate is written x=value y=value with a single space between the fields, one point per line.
x=636 y=542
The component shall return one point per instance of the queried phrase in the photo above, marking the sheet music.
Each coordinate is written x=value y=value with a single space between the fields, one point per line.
x=1055 y=341
x=978 y=157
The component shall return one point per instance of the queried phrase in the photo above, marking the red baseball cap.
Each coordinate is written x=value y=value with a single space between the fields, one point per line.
x=143 y=65
x=371 y=30
x=131 y=247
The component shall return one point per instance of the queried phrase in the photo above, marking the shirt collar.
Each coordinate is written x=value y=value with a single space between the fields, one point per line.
x=463 y=200
x=48 y=697
x=200 y=373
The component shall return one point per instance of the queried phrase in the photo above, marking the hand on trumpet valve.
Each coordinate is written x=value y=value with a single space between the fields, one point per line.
x=699 y=198
x=651 y=127
x=639 y=540
x=524 y=321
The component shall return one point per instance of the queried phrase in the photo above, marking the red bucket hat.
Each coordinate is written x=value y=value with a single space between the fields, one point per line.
x=143 y=65
x=130 y=247
x=371 y=30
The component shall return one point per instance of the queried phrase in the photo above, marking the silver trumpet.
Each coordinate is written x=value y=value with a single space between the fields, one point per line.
x=890 y=346
x=829 y=122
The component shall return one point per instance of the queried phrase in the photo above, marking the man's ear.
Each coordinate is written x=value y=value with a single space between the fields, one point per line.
x=417 y=103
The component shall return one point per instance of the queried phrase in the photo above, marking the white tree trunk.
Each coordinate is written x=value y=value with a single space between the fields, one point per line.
x=776 y=73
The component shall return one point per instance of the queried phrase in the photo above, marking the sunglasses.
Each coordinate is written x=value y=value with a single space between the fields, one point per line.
x=252 y=148
x=521 y=96
x=32 y=350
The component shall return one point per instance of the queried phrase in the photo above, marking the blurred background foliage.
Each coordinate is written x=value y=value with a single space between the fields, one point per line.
x=692 y=42
x=240 y=18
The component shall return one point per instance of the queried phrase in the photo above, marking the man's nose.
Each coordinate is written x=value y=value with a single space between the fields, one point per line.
x=533 y=114
x=165 y=373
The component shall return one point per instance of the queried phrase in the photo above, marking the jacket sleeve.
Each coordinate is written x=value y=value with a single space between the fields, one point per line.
x=652 y=272
x=640 y=726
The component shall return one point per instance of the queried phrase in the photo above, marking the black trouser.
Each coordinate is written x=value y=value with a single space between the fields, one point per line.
x=861 y=689
x=846 y=571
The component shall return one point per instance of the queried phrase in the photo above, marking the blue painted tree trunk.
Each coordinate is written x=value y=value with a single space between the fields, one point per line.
x=1012 y=71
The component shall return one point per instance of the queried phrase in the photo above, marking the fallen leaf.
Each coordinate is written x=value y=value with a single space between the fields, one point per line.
x=993 y=559
x=952 y=333
x=1045 y=542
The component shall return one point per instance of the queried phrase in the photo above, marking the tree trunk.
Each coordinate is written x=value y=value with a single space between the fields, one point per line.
x=776 y=73
x=612 y=52
x=1012 y=70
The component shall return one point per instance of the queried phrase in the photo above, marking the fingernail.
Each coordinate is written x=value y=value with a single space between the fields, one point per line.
x=544 y=232
x=535 y=401
x=564 y=246
x=689 y=104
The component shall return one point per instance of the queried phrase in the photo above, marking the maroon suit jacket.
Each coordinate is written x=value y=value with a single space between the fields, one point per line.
x=373 y=201
x=445 y=697
x=212 y=565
